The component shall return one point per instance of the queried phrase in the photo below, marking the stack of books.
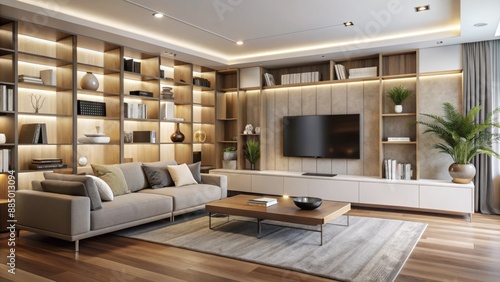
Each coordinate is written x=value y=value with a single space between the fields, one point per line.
x=33 y=133
x=262 y=202
x=303 y=77
x=398 y=139
x=30 y=79
x=166 y=93
x=397 y=171
x=46 y=163
x=363 y=72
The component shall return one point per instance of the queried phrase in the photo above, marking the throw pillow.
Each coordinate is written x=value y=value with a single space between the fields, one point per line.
x=74 y=188
x=104 y=190
x=90 y=188
x=196 y=171
x=113 y=175
x=136 y=180
x=157 y=176
x=181 y=175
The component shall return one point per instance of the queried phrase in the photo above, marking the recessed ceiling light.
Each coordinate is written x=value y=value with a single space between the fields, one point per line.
x=439 y=42
x=170 y=54
x=348 y=23
x=422 y=8
x=239 y=42
x=480 y=24
x=158 y=15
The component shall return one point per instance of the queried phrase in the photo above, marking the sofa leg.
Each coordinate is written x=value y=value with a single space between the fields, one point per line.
x=172 y=217
x=77 y=246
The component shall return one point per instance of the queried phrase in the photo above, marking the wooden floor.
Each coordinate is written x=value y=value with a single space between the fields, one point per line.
x=451 y=249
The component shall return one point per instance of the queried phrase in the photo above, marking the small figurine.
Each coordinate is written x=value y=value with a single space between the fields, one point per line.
x=248 y=129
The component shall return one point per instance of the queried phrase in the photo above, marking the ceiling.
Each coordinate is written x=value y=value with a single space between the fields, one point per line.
x=273 y=31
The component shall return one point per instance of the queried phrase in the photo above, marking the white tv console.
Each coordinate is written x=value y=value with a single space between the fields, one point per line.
x=424 y=194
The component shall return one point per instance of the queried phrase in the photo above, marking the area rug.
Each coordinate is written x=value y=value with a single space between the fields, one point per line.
x=369 y=249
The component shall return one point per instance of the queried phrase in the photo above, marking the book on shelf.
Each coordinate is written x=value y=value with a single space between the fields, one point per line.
x=397 y=171
x=33 y=133
x=135 y=110
x=269 y=79
x=167 y=110
x=398 y=139
x=5 y=160
x=6 y=98
x=340 y=71
x=141 y=93
x=46 y=161
x=262 y=202
x=46 y=166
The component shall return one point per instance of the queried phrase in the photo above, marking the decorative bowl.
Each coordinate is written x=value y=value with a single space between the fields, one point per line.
x=307 y=203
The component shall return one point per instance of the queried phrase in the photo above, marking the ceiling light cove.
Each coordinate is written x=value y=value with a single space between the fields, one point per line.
x=357 y=42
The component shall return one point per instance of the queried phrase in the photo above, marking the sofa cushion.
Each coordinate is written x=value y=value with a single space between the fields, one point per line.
x=90 y=189
x=181 y=175
x=73 y=188
x=113 y=175
x=104 y=190
x=161 y=163
x=157 y=176
x=188 y=196
x=136 y=180
x=129 y=208
x=196 y=171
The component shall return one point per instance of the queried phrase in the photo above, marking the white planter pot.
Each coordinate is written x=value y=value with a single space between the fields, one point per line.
x=398 y=108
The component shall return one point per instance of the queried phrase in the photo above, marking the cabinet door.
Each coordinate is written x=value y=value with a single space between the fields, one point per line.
x=295 y=186
x=447 y=198
x=238 y=182
x=392 y=194
x=271 y=185
x=342 y=191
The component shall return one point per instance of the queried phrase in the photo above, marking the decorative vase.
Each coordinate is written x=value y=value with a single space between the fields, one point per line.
x=252 y=166
x=3 y=138
x=398 y=108
x=177 y=136
x=462 y=173
x=89 y=82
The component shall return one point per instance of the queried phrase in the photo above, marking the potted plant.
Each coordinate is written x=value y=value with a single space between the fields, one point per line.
x=398 y=95
x=229 y=153
x=252 y=152
x=463 y=139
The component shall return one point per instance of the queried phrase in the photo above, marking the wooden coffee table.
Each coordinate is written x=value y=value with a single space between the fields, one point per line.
x=284 y=211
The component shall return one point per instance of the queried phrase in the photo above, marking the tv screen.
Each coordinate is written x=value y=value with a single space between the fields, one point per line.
x=322 y=136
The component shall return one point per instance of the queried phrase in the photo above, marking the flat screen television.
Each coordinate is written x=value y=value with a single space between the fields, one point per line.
x=322 y=136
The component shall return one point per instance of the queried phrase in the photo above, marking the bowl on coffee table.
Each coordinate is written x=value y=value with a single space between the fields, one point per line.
x=307 y=203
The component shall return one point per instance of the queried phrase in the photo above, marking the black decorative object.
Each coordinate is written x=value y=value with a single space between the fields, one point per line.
x=177 y=136
x=91 y=108
x=307 y=203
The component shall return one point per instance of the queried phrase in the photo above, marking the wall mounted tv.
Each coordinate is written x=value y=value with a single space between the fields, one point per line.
x=322 y=136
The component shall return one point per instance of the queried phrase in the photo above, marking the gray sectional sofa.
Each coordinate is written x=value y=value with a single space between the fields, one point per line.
x=66 y=206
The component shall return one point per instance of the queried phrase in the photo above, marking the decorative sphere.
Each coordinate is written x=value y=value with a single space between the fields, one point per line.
x=89 y=82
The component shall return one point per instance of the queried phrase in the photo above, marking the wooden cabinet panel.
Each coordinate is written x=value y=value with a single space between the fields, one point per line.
x=293 y=186
x=238 y=182
x=343 y=191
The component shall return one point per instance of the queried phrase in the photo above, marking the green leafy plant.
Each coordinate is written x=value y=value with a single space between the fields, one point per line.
x=399 y=94
x=230 y=149
x=252 y=151
x=463 y=138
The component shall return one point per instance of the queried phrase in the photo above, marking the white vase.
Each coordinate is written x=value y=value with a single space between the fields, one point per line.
x=89 y=82
x=398 y=108
x=3 y=139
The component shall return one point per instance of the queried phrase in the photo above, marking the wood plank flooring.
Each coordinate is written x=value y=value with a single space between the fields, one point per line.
x=451 y=249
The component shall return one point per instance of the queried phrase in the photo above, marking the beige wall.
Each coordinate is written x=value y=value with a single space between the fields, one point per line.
x=362 y=97
x=433 y=92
